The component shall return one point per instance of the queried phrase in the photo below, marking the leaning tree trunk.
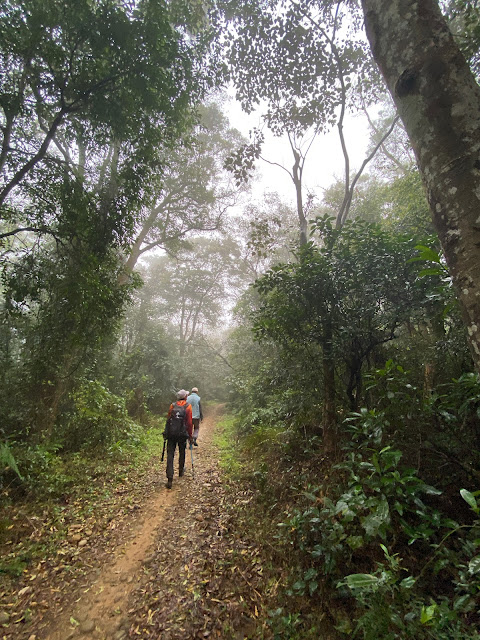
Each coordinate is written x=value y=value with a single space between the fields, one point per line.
x=438 y=101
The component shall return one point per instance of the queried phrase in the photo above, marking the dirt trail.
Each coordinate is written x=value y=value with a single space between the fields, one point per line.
x=103 y=608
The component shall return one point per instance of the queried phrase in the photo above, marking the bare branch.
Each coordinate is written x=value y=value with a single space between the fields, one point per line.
x=36 y=158
x=276 y=164
x=345 y=208
x=383 y=148
x=39 y=230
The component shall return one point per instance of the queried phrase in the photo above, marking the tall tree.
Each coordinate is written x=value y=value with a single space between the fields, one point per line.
x=266 y=231
x=438 y=99
x=92 y=95
x=191 y=192
x=88 y=66
x=192 y=290
x=306 y=62
x=339 y=304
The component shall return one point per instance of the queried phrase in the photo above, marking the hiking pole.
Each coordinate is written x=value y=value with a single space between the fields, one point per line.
x=191 y=454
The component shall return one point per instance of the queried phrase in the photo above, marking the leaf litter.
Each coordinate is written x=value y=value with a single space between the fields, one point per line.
x=153 y=563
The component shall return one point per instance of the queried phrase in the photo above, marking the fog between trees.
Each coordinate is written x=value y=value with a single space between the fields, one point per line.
x=135 y=262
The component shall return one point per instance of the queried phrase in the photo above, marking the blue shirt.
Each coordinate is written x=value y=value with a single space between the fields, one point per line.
x=194 y=400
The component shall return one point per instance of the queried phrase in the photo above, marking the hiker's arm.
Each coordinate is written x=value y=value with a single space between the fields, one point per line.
x=188 y=421
x=200 y=409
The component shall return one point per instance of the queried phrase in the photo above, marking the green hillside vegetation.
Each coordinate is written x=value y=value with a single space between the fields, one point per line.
x=338 y=330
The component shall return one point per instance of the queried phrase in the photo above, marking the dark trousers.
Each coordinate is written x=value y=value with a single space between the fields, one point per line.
x=171 y=446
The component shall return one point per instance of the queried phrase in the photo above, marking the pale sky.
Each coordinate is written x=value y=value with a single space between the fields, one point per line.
x=324 y=161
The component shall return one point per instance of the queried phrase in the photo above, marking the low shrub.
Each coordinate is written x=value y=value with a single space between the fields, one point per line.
x=99 y=419
x=392 y=605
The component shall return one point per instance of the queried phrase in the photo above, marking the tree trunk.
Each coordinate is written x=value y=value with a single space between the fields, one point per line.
x=130 y=262
x=297 y=181
x=329 y=407
x=355 y=382
x=50 y=395
x=136 y=248
x=438 y=101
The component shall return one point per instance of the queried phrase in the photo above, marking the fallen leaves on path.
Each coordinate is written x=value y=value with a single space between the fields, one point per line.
x=53 y=551
x=199 y=579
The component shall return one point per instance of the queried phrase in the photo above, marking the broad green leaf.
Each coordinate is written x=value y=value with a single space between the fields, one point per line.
x=354 y=542
x=474 y=565
x=7 y=459
x=430 y=272
x=426 y=253
x=361 y=581
x=408 y=583
x=469 y=498
x=427 y=613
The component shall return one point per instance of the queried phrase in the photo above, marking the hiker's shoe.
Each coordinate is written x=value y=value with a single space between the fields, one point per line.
x=169 y=483
x=195 y=442
x=181 y=472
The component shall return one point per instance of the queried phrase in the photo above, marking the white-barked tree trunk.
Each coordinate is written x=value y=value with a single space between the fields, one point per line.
x=438 y=100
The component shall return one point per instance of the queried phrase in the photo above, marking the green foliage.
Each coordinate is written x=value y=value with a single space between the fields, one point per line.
x=192 y=192
x=348 y=296
x=471 y=500
x=398 y=204
x=92 y=91
x=141 y=364
x=225 y=439
x=377 y=500
x=270 y=228
x=378 y=497
x=13 y=566
x=292 y=60
x=189 y=295
x=286 y=625
x=464 y=18
x=391 y=605
x=430 y=428
x=406 y=208
x=7 y=459
x=51 y=472
x=43 y=470
x=60 y=307
x=100 y=419
x=89 y=118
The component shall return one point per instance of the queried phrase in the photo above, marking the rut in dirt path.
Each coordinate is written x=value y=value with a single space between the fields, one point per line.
x=103 y=610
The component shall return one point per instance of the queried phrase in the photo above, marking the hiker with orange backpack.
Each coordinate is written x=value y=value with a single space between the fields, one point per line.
x=178 y=429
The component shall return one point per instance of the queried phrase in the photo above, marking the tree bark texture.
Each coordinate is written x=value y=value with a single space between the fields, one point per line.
x=438 y=100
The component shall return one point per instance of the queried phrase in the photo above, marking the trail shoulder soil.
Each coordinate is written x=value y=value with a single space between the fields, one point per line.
x=174 y=570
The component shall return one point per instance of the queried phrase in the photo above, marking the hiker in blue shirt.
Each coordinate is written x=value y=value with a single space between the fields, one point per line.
x=197 y=415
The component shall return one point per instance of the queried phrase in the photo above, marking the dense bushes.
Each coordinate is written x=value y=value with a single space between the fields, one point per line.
x=99 y=419
x=369 y=528
x=98 y=426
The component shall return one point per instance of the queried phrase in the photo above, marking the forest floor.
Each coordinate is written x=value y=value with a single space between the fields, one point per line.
x=168 y=564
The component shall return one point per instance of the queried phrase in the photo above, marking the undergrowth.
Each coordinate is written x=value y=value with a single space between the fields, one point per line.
x=363 y=542
x=53 y=490
x=255 y=483
x=226 y=438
